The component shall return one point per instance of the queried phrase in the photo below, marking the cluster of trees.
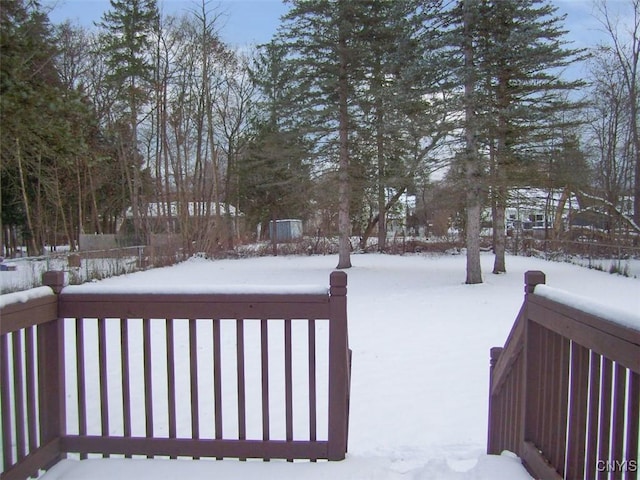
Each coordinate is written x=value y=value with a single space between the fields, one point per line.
x=349 y=107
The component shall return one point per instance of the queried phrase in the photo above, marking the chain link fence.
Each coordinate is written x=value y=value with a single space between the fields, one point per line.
x=83 y=266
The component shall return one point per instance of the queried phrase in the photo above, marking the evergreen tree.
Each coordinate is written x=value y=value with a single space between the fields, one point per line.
x=365 y=79
x=521 y=52
x=42 y=125
x=274 y=175
x=511 y=57
x=399 y=121
x=129 y=27
x=320 y=41
x=472 y=165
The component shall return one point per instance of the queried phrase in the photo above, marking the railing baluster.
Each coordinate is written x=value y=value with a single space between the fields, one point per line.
x=31 y=360
x=535 y=362
x=617 y=436
x=217 y=379
x=553 y=382
x=104 y=384
x=561 y=405
x=18 y=394
x=313 y=408
x=592 y=427
x=288 y=374
x=518 y=394
x=264 y=366
x=548 y=380
x=193 y=369
x=577 y=411
x=5 y=381
x=604 y=447
x=81 y=377
x=126 y=378
x=242 y=401
x=633 y=429
x=171 y=378
x=148 y=375
x=511 y=433
x=542 y=391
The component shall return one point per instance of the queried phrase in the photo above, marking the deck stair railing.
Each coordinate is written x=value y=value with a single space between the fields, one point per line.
x=565 y=389
x=263 y=373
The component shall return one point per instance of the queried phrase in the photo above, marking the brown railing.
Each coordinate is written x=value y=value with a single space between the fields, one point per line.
x=565 y=389
x=189 y=374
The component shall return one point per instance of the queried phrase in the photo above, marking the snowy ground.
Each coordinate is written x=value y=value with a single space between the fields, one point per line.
x=420 y=341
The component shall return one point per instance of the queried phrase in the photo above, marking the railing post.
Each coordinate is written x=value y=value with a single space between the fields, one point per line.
x=531 y=381
x=338 y=367
x=54 y=280
x=51 y=371
x=494 y=413
x=533 y=278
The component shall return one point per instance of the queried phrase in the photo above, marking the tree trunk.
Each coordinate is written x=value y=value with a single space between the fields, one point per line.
x=382 y=224
x=502 y=163
x=557 y=219
x=273 y=232
x=31 y=243
x=373 y=221
x=94 y=203
x=472 y=168
x=344 y=221
x=68 y=228
x=499 y=245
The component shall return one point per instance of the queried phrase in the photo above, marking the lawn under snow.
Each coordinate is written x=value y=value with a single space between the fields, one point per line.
x=420 y=339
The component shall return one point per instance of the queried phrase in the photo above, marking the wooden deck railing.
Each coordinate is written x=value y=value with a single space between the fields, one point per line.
x=565 y=389
x=189 y=374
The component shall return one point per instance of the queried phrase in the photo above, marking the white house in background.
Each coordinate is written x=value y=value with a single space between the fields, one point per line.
x=531 y=209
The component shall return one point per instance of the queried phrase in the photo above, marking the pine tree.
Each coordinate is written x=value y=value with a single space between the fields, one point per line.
x=43 y=121
x=473 y=169
x=363 y=73
x=398 y=122
x=318 y=37
x=274 y=174
x=128 y=29
x=520 y=52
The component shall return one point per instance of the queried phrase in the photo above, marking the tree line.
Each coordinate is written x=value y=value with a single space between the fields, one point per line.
x=151 y=123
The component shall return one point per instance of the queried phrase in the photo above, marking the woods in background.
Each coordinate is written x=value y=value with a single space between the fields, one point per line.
x=149 y=123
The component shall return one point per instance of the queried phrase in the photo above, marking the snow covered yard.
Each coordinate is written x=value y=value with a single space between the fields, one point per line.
x=420 y=341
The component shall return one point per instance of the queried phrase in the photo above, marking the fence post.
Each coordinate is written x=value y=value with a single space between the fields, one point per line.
x=338 y=367
x=51 y=372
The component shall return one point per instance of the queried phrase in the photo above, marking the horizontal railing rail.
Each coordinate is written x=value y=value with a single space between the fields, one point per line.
x=259 y=373
x=565 y=389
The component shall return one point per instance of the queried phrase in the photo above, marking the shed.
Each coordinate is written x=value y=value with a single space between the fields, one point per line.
x=286 y=230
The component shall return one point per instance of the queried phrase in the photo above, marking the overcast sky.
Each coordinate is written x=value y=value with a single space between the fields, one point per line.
x=244 y=22
x=247 y=22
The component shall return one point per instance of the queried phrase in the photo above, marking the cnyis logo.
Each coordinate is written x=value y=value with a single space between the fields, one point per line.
x=617 y=465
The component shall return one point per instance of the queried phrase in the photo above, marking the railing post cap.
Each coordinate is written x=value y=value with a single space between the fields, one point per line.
x=494 y=354
x=53 y=279
x=533 y=278
x=338 y=283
